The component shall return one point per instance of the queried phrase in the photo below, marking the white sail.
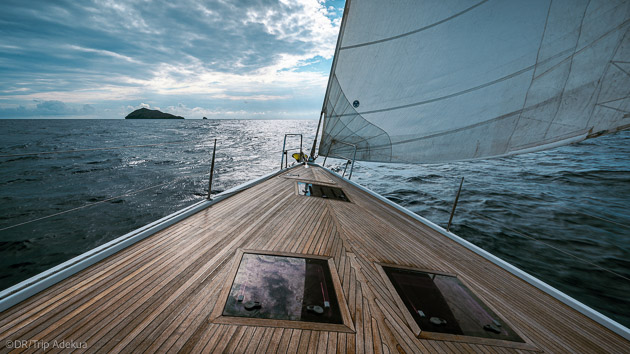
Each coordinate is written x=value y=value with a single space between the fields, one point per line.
x=430 y=81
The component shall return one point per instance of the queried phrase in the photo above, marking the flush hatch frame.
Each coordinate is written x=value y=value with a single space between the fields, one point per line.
x=419 y=333
x=320 y=185
x=217 y=316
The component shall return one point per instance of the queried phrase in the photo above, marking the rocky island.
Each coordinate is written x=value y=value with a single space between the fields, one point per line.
x=145 y=113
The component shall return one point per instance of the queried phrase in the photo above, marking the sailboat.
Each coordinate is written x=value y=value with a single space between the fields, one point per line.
x=305 y=260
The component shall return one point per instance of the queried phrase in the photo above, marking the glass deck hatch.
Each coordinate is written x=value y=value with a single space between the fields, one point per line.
x=321 y=191
x=283 y=288
x=442 y=304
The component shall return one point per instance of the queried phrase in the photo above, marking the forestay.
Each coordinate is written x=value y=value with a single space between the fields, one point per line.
x=431 y=81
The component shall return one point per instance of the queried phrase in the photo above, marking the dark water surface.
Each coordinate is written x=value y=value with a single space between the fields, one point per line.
x=558 y=214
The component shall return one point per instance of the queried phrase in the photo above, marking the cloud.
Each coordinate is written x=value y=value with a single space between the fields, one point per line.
x=88 y=109
x=251 y=97
x=104 y=53
x=122 y=51
x=46 y=109
x=52 y=108
x=105 y=92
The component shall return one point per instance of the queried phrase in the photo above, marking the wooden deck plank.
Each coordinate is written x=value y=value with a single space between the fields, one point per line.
x=274 y=341
x=202 y=344
x=304 y=341
x=158 y=294
x=255 y=339
x=236 y=341
x=341 y=342
x=331 y=343
x=222 y=342
x=285 y=340
x=313 y=342
x=294 y=341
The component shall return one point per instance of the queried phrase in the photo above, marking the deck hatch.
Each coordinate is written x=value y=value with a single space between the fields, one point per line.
x=442 y=304
x=321 y=191
x=283 y=290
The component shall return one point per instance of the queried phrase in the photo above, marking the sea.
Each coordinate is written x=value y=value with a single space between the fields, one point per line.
x=67 y=186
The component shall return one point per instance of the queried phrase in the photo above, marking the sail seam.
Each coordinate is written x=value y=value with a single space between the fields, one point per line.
x=616 y=99
x=613 y=108
x=343 y=114
x=343 y=126
x=372 y=137
x=505 y=116
x=339 y=97
x=542 y=40
x=566 y=80
x=619 y=67
x=512 y=75
x=601 y=79
x=350 y=122
x=555 y=66
x=332 y=115
x=415 y=31
x=354 y=133
x=581 y=49
x=367 y=138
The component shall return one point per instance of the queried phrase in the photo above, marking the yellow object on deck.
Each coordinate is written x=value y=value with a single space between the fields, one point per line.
x=300 y=156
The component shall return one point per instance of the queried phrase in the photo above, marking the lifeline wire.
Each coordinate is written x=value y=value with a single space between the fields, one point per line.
x=555 y=248
x=84 y=206
x=544 y=243
x=585 y=213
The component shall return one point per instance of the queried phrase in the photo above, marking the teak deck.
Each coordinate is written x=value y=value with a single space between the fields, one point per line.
x=159 y=294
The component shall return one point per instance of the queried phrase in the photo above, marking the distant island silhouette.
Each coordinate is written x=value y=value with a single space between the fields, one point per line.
x=144 y=113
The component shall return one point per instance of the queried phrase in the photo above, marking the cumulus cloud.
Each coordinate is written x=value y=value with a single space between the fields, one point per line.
x=47 y=109
x=88 y=109
x=52 y=107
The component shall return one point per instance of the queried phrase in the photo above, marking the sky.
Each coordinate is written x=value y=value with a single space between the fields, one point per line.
x=233 y=59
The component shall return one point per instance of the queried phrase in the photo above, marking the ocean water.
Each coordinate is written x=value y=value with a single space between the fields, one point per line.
x=562 y=215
